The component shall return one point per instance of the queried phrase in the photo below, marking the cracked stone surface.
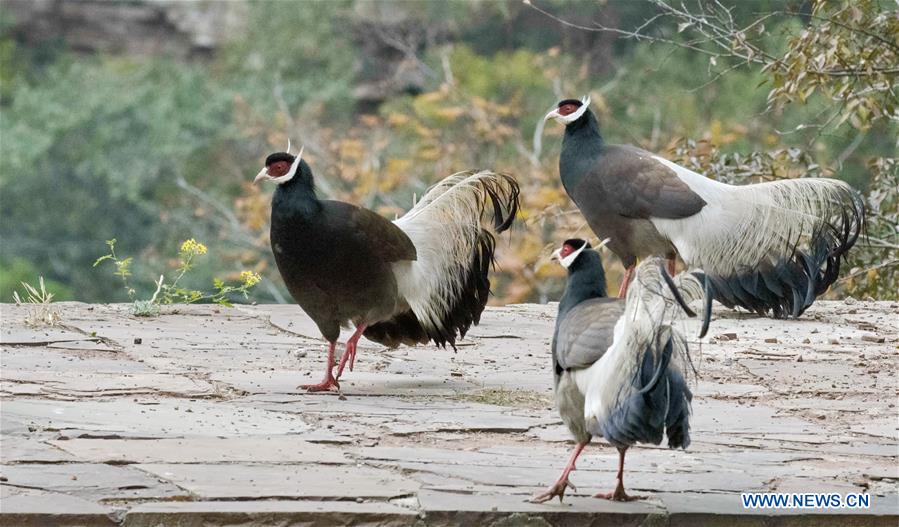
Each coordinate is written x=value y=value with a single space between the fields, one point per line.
x=194 y=418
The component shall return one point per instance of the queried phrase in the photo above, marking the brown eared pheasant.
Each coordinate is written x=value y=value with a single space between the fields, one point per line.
x=770 y=247
x=423 y=277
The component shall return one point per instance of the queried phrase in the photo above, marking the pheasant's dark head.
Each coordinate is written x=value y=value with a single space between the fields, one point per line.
x=569 y=251
x=281 y=167
x=569 y=110
x=572 y=249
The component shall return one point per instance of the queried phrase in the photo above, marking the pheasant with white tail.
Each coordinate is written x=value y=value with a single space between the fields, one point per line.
x=618 y=365
x=769 y=247
x=423 y=277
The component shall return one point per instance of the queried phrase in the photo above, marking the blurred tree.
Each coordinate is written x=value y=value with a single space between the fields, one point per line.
x=294 y=54
x=155 y=149
x=92 y=152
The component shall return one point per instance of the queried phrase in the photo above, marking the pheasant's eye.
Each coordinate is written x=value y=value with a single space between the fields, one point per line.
x=278 y=169
x=567 y=109
x=566 y=250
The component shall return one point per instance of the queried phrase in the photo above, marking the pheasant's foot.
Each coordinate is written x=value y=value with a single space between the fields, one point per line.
x=327 y=384
x=556 y=490
x=617 y=495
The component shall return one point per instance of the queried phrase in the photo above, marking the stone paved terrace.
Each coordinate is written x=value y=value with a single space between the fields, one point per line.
x=192 y=418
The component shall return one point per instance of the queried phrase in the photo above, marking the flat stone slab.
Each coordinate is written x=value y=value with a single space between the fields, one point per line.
x=283 y=481
x=20 y=449
x=90 y=481
x=269 y=512
x=147 y=418
x=259 y=449
x=193 y=418
x=41 y=508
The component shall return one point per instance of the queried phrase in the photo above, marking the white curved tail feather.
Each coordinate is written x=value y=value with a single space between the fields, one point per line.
x=774 y=245
x=446 y=287
x=611 y=383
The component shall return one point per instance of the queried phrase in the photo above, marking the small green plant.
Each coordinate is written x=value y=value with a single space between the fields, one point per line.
x=42 y=313
x=171 y=292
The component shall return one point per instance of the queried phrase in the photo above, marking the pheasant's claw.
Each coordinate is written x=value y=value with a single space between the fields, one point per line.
x=617 y=495
x=556 y=490
x=348 y=359
x=324 y=386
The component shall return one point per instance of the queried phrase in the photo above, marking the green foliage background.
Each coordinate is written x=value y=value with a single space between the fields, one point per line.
x=153 y=150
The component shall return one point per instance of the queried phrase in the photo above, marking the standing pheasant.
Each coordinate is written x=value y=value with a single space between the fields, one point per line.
x=423 y=277
x=768 y=247
x=616 y=363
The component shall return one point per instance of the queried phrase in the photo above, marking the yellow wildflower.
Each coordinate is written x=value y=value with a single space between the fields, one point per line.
x=192 y=247
x=250 y=278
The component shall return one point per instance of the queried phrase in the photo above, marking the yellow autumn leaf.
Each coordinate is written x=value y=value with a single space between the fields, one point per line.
x=450 y=114
x=369 y=120
x=398 y=167
x=352 y=149
x=429 y=153
x=431 y=97
x=397 y=119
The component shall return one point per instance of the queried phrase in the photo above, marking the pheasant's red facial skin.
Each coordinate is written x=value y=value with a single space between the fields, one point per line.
x=278 y=168
x=568 y=109
x=566 y=250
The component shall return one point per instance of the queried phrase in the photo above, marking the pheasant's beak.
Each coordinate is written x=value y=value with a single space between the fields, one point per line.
x=262 y=175
x=556 y=255
x=554 y=114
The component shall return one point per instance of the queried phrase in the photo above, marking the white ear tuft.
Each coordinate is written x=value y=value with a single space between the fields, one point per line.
x=288 y=145
x=603 y=244
x=293 y=169
x=569 y=259
x=574 y=116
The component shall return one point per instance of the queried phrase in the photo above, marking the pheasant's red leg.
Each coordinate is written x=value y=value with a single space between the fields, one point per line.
x=562 y=483
x=628 y=275
x=354 y=340
x=350 y=353
x=329 y=381
x=672 y=263
x=618 y=494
